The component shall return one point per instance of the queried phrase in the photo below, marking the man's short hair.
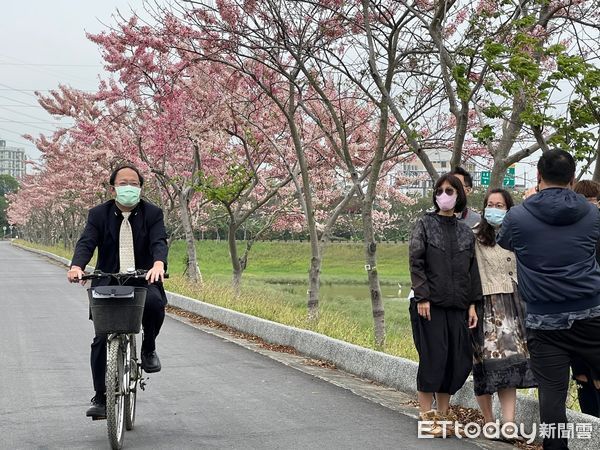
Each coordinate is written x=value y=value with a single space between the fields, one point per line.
x=556 y=167
x=588 y=188
x=113 y=175
x=466 y=175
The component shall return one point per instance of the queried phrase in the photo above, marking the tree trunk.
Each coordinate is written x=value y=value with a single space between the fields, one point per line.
x=314 y=286
x=306 y=201
x=596 y=175
x=47 y=234
x=192 y=269
x=377 y=305
x=74 y=230
x=65 y=231
x=235 y=260
x=374 y=286
x=497 y=174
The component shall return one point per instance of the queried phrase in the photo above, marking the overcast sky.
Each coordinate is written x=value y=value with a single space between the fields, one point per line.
x=43 y=45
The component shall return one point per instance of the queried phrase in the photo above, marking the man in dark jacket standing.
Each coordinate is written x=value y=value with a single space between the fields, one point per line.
x=553 y=235
x=129 y=234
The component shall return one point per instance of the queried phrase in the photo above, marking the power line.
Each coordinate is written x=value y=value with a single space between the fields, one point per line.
x=23 y=90
x=55 y=73
x=18 y=143
x=20 y=113
x=11 y=131
x=49 y=65
x=4 y=119
x=18 y=90
x=17 y=101
x=27 y=91
x=37 y=127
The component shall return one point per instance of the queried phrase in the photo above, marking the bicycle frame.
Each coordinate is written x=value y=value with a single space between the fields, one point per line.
x=123 y=371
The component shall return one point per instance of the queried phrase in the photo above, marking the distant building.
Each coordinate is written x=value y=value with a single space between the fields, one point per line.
x=12 y=160
x=418 y=181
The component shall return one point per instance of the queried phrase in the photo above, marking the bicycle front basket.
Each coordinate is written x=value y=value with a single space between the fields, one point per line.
x=117 y=309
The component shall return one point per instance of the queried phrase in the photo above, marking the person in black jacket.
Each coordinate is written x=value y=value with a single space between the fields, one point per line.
x=554 y=235
x=446 y=285
x=139 y=243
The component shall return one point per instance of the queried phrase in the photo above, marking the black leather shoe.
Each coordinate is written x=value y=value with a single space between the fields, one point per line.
x=150 y=362
x=98 y=408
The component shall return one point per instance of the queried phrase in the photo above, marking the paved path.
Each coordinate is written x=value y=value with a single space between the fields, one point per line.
x=211 y=393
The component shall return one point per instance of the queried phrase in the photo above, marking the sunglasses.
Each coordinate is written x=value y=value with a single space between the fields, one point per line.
x=449 y=191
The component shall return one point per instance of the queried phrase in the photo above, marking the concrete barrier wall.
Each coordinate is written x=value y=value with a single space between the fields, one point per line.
x=398 y=373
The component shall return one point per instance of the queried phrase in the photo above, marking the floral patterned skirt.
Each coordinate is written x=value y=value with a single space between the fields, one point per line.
x=500 y=355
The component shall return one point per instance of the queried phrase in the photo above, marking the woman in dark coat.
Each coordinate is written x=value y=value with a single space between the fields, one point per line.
x=446 y=285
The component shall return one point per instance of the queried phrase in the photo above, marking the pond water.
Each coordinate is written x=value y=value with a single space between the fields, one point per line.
x=348 y=291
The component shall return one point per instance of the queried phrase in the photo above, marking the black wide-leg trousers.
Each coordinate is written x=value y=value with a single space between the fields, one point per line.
x=152 y=320
x=445 y=349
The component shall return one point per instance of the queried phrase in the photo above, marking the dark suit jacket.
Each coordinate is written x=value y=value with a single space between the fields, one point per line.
x=102 y=232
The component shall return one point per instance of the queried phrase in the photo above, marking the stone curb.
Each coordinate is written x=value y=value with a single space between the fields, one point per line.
x=398 y=373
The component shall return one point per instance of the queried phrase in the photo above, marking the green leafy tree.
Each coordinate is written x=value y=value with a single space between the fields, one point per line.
x=578 y=130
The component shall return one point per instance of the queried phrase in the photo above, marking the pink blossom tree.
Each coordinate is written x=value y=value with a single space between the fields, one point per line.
x=278 y=46
x=198 y=116
x=226 y=34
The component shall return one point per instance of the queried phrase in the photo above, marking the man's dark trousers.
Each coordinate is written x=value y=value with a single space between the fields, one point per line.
x=551 y=352
x=154 y=315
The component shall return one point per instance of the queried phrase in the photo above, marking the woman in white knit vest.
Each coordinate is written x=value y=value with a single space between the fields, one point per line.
x=500 y=359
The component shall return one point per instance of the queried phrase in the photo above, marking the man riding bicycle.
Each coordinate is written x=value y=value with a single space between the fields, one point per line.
x=129 y=234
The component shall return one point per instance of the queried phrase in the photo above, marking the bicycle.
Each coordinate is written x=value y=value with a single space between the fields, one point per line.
x=117 y=311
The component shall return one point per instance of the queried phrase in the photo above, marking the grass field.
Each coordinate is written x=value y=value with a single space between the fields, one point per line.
x=288 y=261
x=277 y=272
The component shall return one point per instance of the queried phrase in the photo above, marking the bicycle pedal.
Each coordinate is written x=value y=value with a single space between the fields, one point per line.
x=99 y=418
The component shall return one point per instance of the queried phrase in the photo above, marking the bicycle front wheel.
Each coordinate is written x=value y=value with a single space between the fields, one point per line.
x=116 y=385
x=134 y=376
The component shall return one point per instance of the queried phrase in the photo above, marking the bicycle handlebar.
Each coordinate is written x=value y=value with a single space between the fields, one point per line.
x=97 y=274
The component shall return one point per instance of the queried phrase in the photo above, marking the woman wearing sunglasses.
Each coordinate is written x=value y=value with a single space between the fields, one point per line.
x=446 y=285
x=501 y=359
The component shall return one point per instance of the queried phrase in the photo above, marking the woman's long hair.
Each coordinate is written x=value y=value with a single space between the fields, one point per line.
x=486 y=234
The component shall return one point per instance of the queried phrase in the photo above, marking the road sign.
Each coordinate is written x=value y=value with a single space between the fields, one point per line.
x=508 y=181
x=485 y=178
x=509 y=178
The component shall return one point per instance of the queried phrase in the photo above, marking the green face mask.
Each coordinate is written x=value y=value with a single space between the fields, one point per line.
x=128 y=195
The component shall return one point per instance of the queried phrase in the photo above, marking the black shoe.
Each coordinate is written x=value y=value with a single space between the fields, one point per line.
x=98 y=408
x=150 y=362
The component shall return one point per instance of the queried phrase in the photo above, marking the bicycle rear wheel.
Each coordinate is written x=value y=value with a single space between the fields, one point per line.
x=116 y=384
x=134 y=376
